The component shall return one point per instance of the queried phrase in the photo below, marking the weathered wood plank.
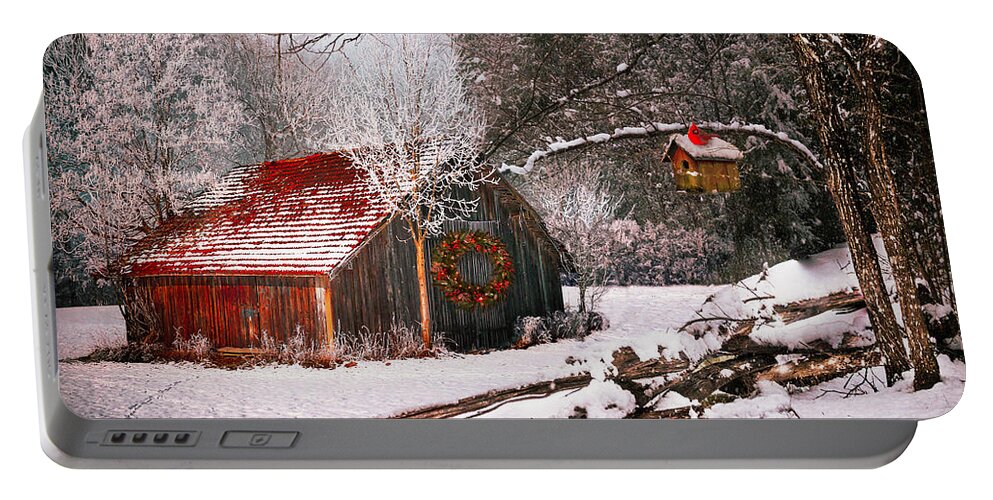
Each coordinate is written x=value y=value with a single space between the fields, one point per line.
x=232 y=311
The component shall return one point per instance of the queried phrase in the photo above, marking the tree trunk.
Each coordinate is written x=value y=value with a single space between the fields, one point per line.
x=422 y=288
x=838 y=152
x=140 y=318
x=886 y=211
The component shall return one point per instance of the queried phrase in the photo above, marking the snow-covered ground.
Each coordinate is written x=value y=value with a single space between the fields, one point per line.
x=828 y=400
x=644 y=318
x=371 y=389
x=83 y=330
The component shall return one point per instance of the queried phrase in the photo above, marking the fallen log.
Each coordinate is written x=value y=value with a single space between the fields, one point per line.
x=812 y=369
x=628 y=365
x=816 y=369
x=672 y=413
x=702 y=382
x=480 y=402
x=710 y=375
x=796 y=311
x=746 y=345
x=791 y=312
x=846 y=302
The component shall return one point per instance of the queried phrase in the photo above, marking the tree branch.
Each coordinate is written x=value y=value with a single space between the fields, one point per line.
x=573 y=94
x=655 y=129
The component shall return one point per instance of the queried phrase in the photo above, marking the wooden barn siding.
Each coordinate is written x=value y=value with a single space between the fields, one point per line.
x=379 y=284
x=233 y=311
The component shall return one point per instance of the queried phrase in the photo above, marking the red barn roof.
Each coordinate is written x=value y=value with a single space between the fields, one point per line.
x=297 y=216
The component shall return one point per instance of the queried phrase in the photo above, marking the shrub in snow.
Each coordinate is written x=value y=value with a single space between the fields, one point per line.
x=131 y=353
x=568 y=324
x=194 y=348
x=268 y=343
x=530 y=330
x=400 y=341
x=296 y=350
x=596 y=321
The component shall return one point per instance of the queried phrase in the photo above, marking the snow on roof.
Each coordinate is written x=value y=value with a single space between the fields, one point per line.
x=716 y=149
x=296 y=216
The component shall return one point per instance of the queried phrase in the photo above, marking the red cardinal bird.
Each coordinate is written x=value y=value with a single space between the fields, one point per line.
x=699 y=137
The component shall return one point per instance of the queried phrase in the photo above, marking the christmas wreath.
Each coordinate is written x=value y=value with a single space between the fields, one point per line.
x=444 y=268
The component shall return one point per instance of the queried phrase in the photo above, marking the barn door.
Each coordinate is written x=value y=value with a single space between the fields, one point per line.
x=249 y=312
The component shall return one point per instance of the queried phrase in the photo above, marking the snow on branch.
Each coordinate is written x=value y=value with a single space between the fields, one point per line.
x=655 y=129
x=406 y=108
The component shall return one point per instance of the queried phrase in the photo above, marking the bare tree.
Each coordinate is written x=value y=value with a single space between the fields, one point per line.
x=839 y=153
x=319 y=48
x=404 y=117
x=864 y=58
x=579 y=212
x=286 y=87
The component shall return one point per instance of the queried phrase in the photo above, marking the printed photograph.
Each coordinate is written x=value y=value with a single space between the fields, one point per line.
x=339 y=225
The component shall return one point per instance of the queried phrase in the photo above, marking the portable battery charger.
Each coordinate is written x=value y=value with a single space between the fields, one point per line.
x=486 y=250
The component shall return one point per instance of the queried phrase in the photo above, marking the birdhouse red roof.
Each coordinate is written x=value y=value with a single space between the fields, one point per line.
x=716 y=149
x=297 y=216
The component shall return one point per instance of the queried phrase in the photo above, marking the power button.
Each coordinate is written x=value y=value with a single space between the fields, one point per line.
x=260 y=439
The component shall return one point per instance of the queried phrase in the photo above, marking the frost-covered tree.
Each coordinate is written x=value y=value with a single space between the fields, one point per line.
x=285 y=83
x=580 y=213
x=404 y=117
x=148 y=128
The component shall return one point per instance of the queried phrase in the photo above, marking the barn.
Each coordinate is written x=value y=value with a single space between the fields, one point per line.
x=303 y=244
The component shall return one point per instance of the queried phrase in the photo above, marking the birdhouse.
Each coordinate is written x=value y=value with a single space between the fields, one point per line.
x=710 y=167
